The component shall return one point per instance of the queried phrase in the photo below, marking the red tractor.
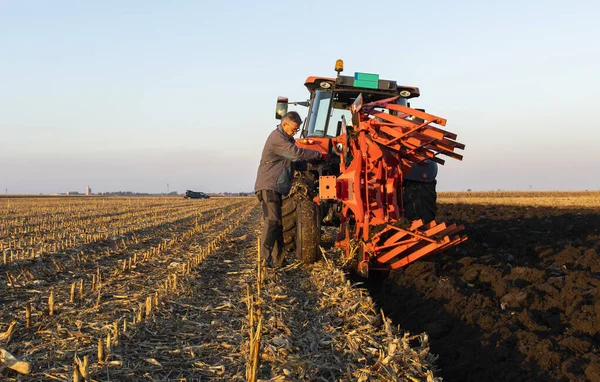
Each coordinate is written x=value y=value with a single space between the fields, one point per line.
x=379 y=186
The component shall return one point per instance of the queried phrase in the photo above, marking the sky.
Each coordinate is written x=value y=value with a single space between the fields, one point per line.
x=135 y=95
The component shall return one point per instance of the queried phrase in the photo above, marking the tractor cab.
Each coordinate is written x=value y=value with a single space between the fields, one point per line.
x=328 y=105
x=330 y=99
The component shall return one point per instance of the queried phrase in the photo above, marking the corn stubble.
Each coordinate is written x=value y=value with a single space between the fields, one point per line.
x=156 y=288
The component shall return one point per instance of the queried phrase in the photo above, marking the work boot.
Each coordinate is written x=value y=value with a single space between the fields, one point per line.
x=282 y=262
x=268 y=262
x=278 y=255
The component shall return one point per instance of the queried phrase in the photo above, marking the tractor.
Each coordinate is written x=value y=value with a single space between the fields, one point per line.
x=379 y=185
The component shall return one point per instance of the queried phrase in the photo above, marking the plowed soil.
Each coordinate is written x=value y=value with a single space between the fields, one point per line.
x=519 y=301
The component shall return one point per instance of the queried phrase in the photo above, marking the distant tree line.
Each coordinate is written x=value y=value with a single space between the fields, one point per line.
x=173 y=193
x=130 y=193
x=237 y=193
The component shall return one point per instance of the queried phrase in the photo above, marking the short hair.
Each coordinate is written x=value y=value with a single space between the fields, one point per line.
x=292 y=116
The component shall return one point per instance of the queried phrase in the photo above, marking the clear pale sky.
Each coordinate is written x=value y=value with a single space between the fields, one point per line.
x=132 y=95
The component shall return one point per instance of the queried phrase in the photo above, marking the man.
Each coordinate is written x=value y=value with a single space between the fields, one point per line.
x=274 y=180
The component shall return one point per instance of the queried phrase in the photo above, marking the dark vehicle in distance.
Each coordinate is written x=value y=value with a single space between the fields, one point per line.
x=189 y=194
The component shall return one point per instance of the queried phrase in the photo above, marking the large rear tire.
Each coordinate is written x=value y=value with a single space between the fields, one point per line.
x=420 y=200
x=288 y=217
x=308 y=231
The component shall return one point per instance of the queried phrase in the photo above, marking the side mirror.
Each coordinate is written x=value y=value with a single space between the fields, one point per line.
x=281 y=107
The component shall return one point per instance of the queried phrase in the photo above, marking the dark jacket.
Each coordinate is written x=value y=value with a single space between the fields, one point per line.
x=275 y=171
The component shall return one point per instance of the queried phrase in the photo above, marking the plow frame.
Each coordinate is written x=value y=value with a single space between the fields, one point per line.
x=383 y=146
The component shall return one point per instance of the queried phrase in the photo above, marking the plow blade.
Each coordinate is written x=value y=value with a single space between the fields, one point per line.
x=405 y=245
x=411 y=132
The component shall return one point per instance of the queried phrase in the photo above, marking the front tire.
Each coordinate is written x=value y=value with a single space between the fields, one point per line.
x=288 y=217
x=308 y=231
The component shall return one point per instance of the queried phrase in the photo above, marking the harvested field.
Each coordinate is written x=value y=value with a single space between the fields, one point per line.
x=520 y=300
x=163 y=288
x=80 y=277
x=130 y=289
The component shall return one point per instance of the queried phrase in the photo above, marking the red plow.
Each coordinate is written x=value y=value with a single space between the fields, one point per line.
x=383 y=142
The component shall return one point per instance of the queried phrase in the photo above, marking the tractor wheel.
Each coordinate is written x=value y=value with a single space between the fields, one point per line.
x=308 y=231
x=419 y=200
x=288 y=217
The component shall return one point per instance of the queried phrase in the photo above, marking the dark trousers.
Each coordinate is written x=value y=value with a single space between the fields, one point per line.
x=272 y=234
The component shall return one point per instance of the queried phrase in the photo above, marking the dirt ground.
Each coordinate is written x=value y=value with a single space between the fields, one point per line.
x=519 y=301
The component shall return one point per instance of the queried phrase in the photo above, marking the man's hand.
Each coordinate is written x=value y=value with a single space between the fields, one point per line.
x=321 y=159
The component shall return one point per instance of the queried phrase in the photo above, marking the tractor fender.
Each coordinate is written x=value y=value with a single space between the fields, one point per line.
x=426 y=172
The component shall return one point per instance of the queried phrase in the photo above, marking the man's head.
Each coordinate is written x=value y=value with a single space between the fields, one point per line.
x=290 y=123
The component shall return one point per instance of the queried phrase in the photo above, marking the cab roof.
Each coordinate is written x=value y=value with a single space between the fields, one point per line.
x=347 y=82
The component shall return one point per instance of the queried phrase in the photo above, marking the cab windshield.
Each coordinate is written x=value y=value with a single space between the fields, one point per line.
x=318 y=115
x=342 y=100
